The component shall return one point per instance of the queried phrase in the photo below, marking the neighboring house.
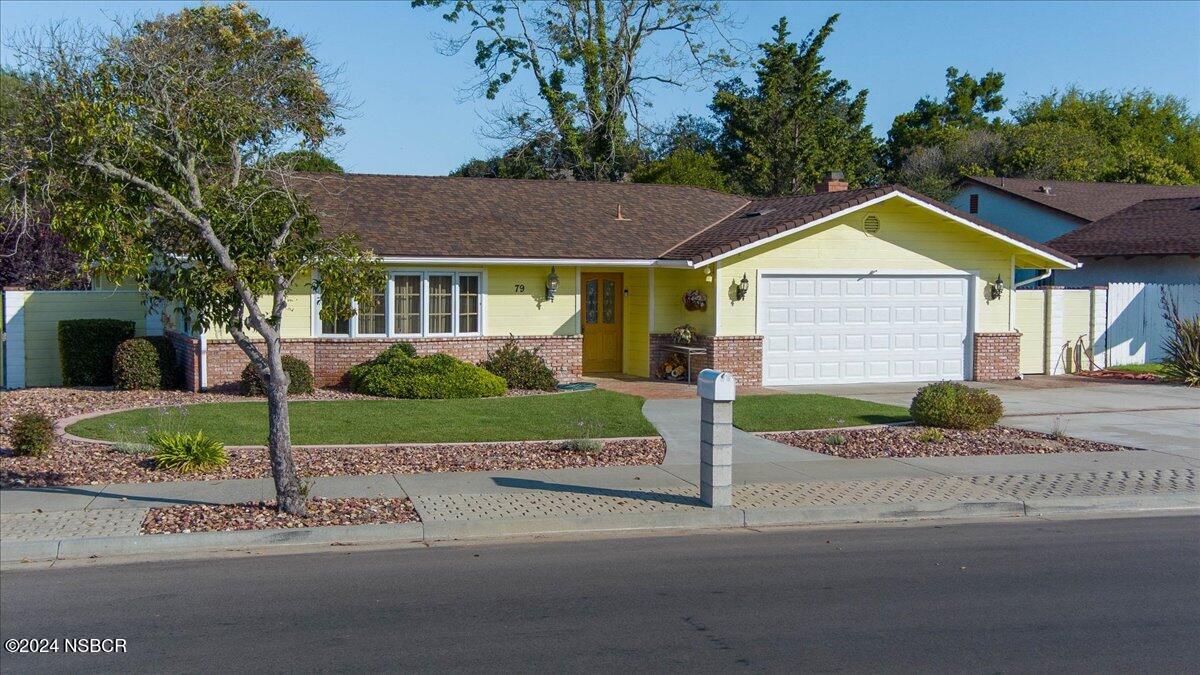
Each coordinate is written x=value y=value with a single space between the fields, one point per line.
x=878 y=284
x=1155 y=239
x=1050 y=210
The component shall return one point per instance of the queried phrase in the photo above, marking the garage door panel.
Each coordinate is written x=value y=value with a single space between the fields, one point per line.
x=845 y=329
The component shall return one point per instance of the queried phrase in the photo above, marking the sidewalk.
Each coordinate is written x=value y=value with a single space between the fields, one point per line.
x=78 y=522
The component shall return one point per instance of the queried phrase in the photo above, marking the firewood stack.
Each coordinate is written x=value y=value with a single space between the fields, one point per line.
x=674 y=367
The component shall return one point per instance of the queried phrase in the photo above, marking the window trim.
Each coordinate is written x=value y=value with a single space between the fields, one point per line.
x=390 y=306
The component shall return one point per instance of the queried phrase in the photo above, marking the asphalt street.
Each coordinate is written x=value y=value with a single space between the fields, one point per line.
x=1033 y=596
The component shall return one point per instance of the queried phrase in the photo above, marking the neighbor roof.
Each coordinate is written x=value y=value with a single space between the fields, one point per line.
x=1150 y=227
x=1084 y=201
x=437 y=217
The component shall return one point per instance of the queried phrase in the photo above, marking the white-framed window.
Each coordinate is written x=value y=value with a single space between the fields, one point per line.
x=415 y=304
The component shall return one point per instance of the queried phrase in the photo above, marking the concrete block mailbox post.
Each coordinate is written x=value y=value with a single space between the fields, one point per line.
x=717 y=391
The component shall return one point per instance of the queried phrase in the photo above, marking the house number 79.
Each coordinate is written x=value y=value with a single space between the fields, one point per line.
x=519 y=288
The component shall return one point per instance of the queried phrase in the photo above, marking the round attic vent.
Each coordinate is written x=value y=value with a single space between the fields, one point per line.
x=870 y=224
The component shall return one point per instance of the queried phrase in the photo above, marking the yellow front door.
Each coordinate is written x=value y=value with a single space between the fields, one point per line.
x=602 y=324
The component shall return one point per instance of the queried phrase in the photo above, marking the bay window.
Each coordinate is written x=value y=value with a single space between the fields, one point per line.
x=415 y=304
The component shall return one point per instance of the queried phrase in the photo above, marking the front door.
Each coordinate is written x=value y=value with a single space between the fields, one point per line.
x=602 y=324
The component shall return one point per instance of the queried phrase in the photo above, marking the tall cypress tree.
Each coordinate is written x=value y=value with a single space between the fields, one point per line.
x=796 y=123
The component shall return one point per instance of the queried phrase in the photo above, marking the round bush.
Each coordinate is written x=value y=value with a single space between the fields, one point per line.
x=520 y=368
x=299 y=375
x=953 y=405
x=32 y=434
x=144 y=363
x=397 y=374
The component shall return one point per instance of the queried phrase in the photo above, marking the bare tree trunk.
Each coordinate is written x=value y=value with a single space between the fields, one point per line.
x=279 y=435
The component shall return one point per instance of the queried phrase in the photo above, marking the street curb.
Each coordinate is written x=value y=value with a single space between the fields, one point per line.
x=445 y=531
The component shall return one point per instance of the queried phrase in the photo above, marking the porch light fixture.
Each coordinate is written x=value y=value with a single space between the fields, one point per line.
x=996 y=288
x=551 y=284
x=743 y=288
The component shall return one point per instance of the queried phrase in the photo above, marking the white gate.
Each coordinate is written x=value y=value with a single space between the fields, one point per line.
x=1136 y=327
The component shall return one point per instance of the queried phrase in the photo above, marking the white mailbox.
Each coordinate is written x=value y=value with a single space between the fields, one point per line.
x=715 y=385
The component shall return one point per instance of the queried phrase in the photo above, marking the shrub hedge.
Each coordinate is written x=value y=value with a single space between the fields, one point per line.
x=953 y=405
x=397 y=373
x=86 y=348
x=32 y=434
x=520 y=368
x=300 y=378
x=145 y=363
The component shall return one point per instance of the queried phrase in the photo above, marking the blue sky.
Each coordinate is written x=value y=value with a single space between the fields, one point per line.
x=411 y=118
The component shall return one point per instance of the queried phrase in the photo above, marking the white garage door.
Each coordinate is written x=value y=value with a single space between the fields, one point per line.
x=835 y=329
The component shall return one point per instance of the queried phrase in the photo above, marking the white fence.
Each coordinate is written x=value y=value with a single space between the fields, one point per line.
x=1135 y=324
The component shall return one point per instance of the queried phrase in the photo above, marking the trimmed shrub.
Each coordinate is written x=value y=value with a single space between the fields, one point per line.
x=398 y=374
x=1182 y=346
x=86 y=348
x=520 y=368
x=300 y=378
x=187 y=453
x=32 y=434
x=953 y=405
x=145 y=363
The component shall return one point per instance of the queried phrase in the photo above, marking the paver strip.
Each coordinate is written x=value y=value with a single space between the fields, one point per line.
x=71 y=524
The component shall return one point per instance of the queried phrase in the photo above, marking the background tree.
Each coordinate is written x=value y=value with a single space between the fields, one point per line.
x=684 y=153
x=593 y=64
x=796 y=123
x=31 y=254
x=152 y=144
x=969 y=105
x=538 y=158
x=307 y=160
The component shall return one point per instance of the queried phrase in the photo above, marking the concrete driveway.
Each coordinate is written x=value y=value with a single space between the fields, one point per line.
x=1148 y=416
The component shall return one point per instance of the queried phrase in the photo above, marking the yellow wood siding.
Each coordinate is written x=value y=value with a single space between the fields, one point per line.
x=527 y=312
x=669 y=286
x=910 y=239
x=637 y=322
x=1031 y=321
x=44 y=309
x=297 y=318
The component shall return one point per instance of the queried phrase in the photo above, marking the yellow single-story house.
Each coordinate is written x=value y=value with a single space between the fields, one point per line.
x=870 y=285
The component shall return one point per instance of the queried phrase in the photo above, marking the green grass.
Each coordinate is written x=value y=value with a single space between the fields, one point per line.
x=1140 y=368
x=787 y=412
x=594 y=414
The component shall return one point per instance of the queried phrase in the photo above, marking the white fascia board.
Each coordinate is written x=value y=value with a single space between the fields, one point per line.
x=871 y=202
x=585 y=262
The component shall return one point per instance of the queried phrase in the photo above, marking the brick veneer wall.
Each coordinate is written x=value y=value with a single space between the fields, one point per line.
x=997 y=356
x=740 y=355
x=187 y=358
x=331 y=358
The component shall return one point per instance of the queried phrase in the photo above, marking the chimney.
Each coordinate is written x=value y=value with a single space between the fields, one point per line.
x=834 y=181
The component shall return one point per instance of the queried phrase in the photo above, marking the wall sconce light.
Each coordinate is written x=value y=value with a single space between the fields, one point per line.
x=996 y=288
x=743 y=288
x=551 y=284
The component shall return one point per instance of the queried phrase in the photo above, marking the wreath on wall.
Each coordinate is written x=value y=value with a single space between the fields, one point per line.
x=695 y=301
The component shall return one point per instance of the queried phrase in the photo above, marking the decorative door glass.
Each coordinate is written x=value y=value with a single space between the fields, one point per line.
x=610 y=301
x=592 y=310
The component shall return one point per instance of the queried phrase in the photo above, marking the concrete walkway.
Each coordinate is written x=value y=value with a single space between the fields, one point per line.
x=1160 y=417
x=678 y=422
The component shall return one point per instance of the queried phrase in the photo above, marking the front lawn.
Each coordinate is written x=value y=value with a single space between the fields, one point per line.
x=593 y=414
x=1140 y=368
x=789 y=412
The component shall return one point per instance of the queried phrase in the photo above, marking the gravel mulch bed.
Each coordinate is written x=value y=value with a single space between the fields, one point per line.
x=72 y=463
x=263 y=516
x=905 y=442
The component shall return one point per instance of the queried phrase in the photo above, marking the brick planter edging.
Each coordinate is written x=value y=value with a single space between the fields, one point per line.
x=997 y=356
x=740 y=355
x=331 y=358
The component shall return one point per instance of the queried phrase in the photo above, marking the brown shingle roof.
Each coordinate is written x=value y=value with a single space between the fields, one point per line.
x=1151 y=227
x=764 y=218
x=499 y=218
x=1084 y=201
x=426 y=216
